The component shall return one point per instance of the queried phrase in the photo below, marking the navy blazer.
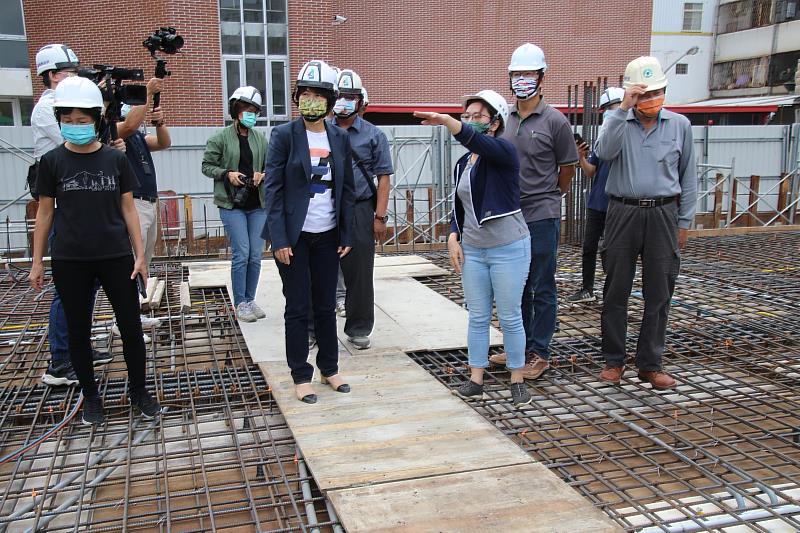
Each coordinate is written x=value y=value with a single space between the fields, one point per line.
x=494 y=180
x=288 y=178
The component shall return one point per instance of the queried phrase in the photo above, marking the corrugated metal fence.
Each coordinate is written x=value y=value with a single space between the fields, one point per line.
x=422 y=185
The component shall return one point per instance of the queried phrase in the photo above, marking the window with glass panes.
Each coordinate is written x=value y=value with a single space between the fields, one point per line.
x=692 y=16
x=254 y=35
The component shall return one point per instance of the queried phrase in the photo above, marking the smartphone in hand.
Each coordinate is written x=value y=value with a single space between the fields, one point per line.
x=140 y=285
x=578 y=138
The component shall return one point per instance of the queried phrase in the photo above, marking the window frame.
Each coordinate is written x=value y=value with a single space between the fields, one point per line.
x=678 y=68
x=687 y=10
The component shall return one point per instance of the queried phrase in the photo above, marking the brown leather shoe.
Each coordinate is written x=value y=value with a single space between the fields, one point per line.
x=659 y=380
x=535 y=367
x=498 y=359
x=612 y=374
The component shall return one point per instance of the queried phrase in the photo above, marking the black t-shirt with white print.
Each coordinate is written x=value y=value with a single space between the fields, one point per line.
x=88 y=222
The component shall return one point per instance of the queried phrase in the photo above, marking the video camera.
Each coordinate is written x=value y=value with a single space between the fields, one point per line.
x=114 y=76
x=165 y=39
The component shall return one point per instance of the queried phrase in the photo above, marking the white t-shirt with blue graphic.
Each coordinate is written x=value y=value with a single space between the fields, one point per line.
x=321 y=214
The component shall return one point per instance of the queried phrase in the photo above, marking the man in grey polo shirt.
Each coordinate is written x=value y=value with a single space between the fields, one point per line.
x=652 y=187
x=547 y=155
x=371 y=159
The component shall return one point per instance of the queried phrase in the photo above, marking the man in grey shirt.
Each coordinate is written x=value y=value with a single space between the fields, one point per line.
x=652 y=187
x=547 y=156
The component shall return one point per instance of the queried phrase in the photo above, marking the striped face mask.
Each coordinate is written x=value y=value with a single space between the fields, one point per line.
x=524 y=87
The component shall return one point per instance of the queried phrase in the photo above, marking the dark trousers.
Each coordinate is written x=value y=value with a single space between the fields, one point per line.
x=631 y=232
x=539 y=303
x=593 y=232
x=74 y=281
x=311 y=276
x=357 y=268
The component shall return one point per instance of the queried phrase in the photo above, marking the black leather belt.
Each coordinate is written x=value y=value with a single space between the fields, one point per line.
x=151 y=199
x=644 y=202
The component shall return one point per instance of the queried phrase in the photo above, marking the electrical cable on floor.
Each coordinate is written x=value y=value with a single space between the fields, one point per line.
x=58 y=427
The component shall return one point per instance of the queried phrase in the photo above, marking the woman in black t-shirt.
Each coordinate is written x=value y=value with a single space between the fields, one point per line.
x=95 y=225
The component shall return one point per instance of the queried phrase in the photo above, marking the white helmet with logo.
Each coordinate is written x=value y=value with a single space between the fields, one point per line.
x=527 y=57
x=647 y=70
x=317 y=74
x=493 y=100
x=55 y=57
x=249 y=95
x=364 y=97
x=78 y=92
x=349 y=83
x=612 y=95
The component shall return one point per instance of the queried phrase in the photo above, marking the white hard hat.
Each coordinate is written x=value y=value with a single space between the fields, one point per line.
x=317 y=74
x=492 y=99
x=55 y=57
x=612 y=95
x=647 y=70
x=364 y=97
x=348 y=82
x=527 y=57
x=247 y=94
x=78 y=92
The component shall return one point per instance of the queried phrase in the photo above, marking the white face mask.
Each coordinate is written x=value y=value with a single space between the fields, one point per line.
x=344 y=107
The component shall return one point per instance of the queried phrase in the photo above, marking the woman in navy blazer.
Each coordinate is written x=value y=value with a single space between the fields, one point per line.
x=309 y=197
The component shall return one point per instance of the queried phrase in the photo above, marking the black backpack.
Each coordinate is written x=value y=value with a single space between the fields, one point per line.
x=33 y=173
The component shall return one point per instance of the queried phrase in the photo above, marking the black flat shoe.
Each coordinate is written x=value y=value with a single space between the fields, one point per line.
x=344 y=387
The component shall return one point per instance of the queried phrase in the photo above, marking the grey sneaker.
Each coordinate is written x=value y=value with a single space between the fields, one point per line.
x=93 y=413
x=257 y=311
x=340 y=310
x=244 y=313
x=101 y=358
x=59 y=374
x=469 y=390
x=520 y=395
x=360 y=342
x=143 y=403
x=583 y=295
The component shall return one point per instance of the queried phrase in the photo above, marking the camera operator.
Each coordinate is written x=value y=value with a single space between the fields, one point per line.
x=55 y=63
x=234 y=159
x=138 y=148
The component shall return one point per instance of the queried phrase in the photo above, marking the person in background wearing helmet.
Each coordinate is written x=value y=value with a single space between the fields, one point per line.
x=97 y=224
x=371 y=158
x=138 y=147
x=652 y=187
x=547 y=155
x=495 y=248
x=596 y=170
x=310 y=203
x=234 y=159
x=55 y=63
x=364 y=102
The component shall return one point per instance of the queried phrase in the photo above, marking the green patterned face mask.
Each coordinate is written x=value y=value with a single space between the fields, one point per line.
x=480 y=127
x=312 y=109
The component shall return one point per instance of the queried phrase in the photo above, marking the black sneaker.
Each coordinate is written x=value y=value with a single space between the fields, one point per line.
x=469 y=390
x=143 y=403
x=520 y=395
x=60 y=374
x=583 y=295
x=93 y=413
x=101 y=358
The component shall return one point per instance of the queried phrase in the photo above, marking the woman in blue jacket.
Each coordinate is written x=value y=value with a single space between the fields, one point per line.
x=310 y=200
x=489 y=243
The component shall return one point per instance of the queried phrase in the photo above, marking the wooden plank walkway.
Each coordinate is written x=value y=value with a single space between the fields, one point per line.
x=400 y=452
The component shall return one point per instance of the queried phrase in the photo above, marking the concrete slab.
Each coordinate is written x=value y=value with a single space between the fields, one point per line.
x=525 y=498
x=397 y=423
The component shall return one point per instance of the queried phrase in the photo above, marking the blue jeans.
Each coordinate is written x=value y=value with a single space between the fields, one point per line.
x=497 y=274
x=57 y=333
x=539 y=304
x=243 y=229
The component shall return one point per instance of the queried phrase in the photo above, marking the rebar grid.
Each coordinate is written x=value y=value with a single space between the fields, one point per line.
x=723 y=448
x=222 y=458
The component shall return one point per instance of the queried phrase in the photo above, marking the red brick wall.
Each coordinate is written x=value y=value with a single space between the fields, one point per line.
x=407 y=52
x=417 y=51
x=193 y=94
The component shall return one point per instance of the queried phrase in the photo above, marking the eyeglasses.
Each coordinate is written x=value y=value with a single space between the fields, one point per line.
x=474 y=117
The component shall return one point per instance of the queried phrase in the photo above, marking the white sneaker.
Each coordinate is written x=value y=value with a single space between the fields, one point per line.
x=257 y=311
x=244 y=313
x=115 y=331
x=150 y=322
x=340 y=310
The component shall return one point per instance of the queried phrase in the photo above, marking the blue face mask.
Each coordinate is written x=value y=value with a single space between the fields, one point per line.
x=344 y=107
x=248 y=119
x=79 y=134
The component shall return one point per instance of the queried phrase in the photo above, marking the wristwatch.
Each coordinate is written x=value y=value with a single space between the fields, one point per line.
x=384 y=218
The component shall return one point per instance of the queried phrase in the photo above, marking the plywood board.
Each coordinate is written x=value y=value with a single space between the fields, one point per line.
x=525 y=498
x=397 y=423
